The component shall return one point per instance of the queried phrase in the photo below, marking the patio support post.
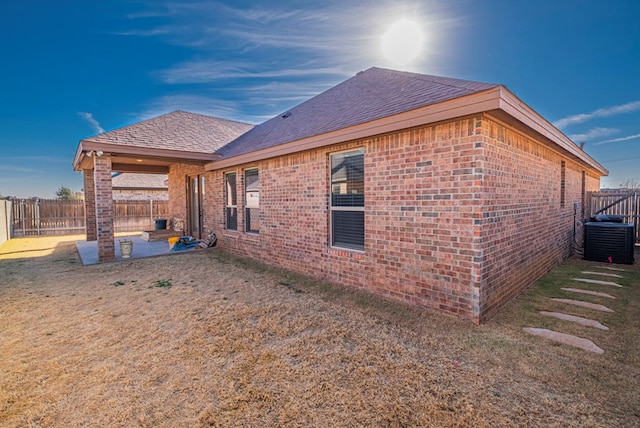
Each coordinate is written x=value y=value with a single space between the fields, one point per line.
x=104 y=208
x=90 y=205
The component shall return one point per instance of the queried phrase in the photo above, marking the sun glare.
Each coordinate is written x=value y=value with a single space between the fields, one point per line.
x=402 y=42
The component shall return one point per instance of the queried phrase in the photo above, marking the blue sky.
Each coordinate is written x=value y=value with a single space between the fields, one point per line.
x=72 y=69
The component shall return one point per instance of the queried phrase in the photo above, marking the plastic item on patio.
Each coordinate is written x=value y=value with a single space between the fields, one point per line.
x=172 y=241
x=185 y=243
x=161 y=223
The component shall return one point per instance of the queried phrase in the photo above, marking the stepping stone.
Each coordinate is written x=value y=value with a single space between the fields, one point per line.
x=609 y=268
x=583 y=304
x=582 y=321
x=591 y=293
x=566 y=339
x=614 y=275
x=597 y=281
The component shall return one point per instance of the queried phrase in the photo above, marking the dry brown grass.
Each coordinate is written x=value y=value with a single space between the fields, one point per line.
x=206 y=339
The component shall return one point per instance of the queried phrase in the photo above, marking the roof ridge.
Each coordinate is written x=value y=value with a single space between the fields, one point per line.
x=157 y=118
x=435 y=79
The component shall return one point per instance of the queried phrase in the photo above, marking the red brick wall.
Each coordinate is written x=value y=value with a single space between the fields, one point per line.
x=104 y=208
x=420 y=206
x=526 y=230
x=459 y=216
x=90 y=204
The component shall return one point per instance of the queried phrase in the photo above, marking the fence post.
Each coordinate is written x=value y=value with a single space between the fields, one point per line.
x=22 y=203
x=151 y=211
x=38 y=216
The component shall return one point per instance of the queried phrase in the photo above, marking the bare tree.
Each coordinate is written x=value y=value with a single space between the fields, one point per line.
x=630 y=184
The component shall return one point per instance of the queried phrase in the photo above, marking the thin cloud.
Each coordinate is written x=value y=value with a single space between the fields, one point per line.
x=160 y=31
x=194 y=104
x=208 y=71
x=329 y=37
x=618 y=140
x=21 y=169
x=599 y=113
x=593 y=133
x=92 y=121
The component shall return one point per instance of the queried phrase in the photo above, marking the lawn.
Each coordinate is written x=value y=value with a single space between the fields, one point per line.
x=205 y=339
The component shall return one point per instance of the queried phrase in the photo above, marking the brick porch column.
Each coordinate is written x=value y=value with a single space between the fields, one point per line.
x=90 y=205
x=104 y=208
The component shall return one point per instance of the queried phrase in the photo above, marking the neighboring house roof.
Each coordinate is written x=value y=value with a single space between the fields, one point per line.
x=126 y=181
x=370 y=95
x=179 y=130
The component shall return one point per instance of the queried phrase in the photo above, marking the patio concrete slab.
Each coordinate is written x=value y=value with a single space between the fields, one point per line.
x=88 y=250
x=566 y=339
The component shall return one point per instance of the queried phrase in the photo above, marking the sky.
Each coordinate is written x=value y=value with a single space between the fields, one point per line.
x=71 y=69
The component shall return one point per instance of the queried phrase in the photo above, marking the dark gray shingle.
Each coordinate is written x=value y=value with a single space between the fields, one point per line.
x=179 y=130
x=370 y=95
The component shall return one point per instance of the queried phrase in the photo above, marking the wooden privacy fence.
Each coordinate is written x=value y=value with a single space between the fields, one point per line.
x=5 y=220
x=66 y=217
x=623 y=203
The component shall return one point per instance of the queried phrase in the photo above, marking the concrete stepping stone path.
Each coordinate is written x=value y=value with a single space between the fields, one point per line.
x=575 y=341
x=566 y=339
x=613 y=275
x=609 y=268
x=579 y=320
x=589 y=292
x=584 y=304
x=597 y=281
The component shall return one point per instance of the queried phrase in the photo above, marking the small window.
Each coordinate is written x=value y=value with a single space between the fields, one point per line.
x=347 y=200
x=252 y=201
x=563 y=172
x=231 y=202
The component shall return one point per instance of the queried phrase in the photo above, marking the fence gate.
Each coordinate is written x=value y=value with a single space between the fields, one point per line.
x=623 y=203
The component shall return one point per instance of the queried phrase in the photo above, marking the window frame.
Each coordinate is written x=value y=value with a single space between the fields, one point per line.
x=343 y=246
x=250 y=204
x=229 y=202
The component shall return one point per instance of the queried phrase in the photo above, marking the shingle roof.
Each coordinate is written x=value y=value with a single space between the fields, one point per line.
x=140 y=181
x=179 y=130
x=370 y=95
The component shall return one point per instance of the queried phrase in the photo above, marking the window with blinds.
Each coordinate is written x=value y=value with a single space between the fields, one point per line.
x=231 y=202
x=252 y=201
x=347 y=200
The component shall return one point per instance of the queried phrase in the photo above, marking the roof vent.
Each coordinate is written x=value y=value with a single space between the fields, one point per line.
x=286 y=115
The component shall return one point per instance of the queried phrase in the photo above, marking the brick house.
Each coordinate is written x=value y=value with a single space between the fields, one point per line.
x=128 y=186
x=441 y=192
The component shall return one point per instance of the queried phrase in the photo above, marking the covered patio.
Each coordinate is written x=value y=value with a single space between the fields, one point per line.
x=178 y=144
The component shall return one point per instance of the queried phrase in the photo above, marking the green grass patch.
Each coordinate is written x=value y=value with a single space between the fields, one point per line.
x=163 y=283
